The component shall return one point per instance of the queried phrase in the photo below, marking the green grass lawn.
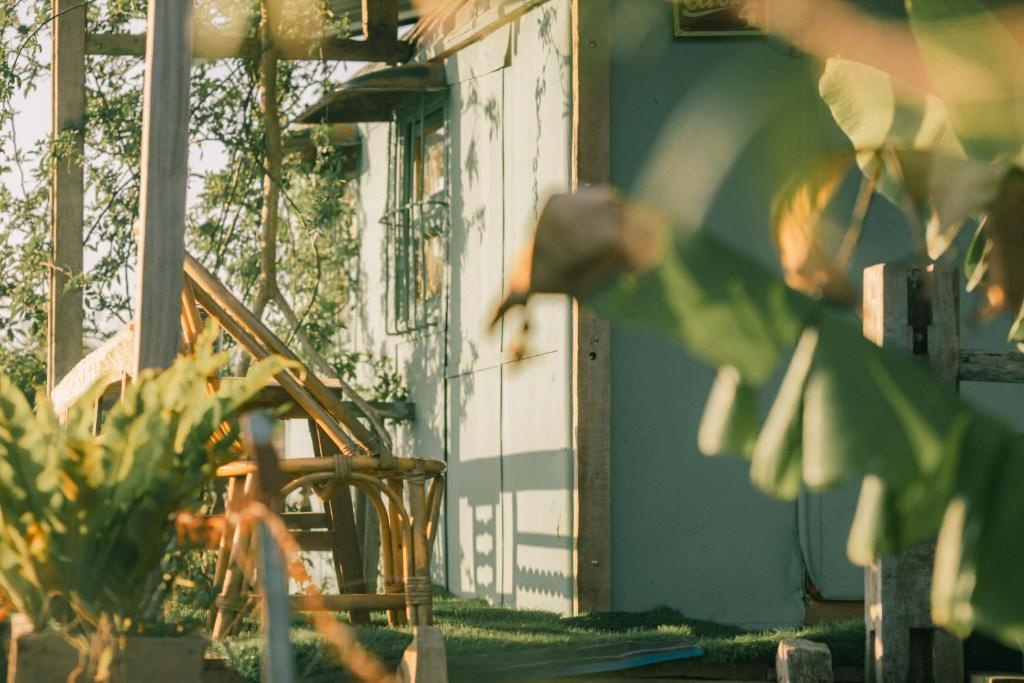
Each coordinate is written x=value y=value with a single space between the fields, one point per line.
x=471 y=627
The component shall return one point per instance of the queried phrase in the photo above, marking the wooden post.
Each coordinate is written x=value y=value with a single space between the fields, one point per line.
x=165 y=111
x=67 y=192
x=917 y=311
x=380 y=19
x=278 y=662
x=592 y=335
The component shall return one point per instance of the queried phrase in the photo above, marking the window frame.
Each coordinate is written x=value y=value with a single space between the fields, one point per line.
x=416 y=227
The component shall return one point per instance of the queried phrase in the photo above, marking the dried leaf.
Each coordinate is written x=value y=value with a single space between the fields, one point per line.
x=800 y=231
x=1005 y=228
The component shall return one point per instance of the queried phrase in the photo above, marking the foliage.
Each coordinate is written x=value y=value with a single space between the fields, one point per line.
x=84 y=517
x=846 y=409
x=317 y=240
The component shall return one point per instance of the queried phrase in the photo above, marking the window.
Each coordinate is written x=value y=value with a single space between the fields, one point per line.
x=417 y=219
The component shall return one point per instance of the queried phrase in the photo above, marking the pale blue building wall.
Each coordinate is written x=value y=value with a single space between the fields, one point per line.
x=728 y=553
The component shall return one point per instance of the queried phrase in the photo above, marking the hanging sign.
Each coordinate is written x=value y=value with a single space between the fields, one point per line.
x=719 y=17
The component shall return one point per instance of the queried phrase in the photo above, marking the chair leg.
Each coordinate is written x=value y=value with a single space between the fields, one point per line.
x=348 y=561
x=230 y=602
x=398 y=547
x=368 y=531
x=421 y=588
x=232 y=502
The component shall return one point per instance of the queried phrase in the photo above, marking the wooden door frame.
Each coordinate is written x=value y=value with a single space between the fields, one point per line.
x=591 y=166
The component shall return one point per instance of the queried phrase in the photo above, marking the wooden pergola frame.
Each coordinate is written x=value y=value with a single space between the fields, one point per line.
x=167 y=47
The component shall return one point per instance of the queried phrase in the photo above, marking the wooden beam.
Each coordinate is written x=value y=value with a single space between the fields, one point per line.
x=274 y=396
x=338 y=603
x=359 y=463
x=390 y=51
x=987 y=366
x=591 y=33
x=67 y=192
x=380 y=19
x=165 y=111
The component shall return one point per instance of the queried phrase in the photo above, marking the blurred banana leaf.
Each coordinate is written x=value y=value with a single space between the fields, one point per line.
x=949 y=157
x=84 y=518
x=846 y=410
x=974 y=63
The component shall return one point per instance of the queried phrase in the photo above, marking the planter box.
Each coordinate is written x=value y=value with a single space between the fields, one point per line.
x=48 y=658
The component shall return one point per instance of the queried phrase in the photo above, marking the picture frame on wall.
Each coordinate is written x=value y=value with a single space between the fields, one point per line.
x=703 y=18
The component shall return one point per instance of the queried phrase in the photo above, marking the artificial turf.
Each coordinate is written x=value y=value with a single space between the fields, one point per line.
x=471 y=627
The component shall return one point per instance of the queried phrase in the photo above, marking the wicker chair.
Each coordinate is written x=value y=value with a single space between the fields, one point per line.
x=405 y=493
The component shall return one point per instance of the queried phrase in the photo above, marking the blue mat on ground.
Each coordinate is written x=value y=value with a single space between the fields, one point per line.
x=531 y=665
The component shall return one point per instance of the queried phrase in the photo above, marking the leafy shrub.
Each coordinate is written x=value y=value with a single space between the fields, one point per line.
x=84 y=517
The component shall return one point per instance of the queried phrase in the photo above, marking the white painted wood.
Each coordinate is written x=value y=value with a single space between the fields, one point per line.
x=105 y=365
x=165 y=115
x=490 y=54
x=477 y=216
x=537 y=483
x=476 y=553
x=538 y=133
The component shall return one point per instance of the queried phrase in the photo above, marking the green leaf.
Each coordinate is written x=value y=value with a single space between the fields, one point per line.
x=885 y=416
x=722 y=306
x=729 y=424
x=877 y=113
x=977 y=579
x=974 y=62
x=954 y=190
x=775 y=467
x=906 y=144
x=847 y=409
x=83 y=518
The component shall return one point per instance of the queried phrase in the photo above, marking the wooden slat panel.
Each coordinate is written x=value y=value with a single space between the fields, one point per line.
x=327 y=49
x=592 y=347
x=304 y=520
x=164 y=177
x=64 y=315
x=314 y=540
x=296 y=521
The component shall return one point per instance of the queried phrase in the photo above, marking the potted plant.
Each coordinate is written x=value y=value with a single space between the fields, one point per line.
x=85 y=517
